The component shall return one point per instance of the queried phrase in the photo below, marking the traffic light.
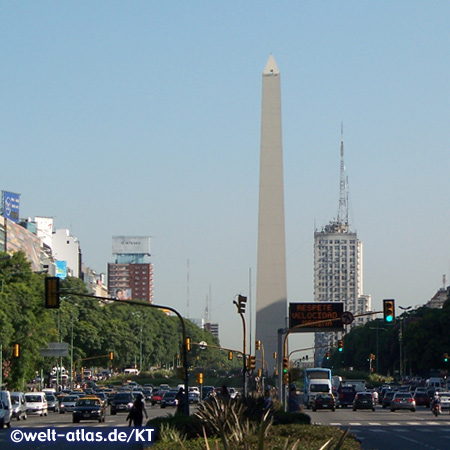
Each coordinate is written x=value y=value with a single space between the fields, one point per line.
x=285 y=365
x=445 y=357
x=251 y=362
x=199 y=378
x=111 y=356
x=389 y=311
x=259 y=373
x=230 y=355
x=52 y=292
x=241 y=304
x=188 y=344
x=258 y=345
x=340 y=345
x=16 y=350
x=327 y=355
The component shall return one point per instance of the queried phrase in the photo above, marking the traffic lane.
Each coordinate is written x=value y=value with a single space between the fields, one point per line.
x=65 y=420
x=396 y=437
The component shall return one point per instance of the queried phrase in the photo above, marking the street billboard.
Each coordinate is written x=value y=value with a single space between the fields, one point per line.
x=11 y=202
x=19 y=238
x=305 y=315
x=61 y=269
x=131 y=245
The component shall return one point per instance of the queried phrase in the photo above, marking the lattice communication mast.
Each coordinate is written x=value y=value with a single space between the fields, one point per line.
x=342 y=217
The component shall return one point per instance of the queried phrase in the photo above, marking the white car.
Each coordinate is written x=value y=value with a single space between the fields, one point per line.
x=68 y=403
x=445 y=399
x=5 y=416
x=36 y=403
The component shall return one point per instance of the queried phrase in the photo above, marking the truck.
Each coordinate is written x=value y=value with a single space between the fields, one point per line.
x=317 y=381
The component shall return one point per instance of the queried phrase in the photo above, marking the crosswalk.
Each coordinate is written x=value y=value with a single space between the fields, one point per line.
x=392 y=424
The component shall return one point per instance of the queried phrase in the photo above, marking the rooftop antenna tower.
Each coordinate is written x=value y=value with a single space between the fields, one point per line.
x=342 y=217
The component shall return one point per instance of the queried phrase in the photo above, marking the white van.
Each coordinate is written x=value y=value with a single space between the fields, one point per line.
x=5 y=409
x=19 y=406
x=36 y=403
x=131 y=372
x=434 y=383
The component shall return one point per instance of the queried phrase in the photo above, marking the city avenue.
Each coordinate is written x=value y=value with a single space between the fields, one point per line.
x=386 y=430
x=61 y=421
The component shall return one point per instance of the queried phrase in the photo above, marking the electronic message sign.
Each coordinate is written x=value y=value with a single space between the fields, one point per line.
x=322 y=316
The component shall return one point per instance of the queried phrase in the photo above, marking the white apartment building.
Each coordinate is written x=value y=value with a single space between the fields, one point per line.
x=338 y=277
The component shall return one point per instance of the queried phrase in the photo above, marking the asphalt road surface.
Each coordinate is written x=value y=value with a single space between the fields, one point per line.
x=386 y=430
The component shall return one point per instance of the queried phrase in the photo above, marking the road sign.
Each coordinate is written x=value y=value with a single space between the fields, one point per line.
x=347 y=318
x=323 y=316
x=203 y=345
x=55 y=349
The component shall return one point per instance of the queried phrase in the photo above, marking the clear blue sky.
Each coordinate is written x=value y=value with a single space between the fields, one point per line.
x=143 y=118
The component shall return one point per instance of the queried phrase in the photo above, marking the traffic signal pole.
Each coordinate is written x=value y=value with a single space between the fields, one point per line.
x=240 y=304
x=52 y=293
x=304 y=325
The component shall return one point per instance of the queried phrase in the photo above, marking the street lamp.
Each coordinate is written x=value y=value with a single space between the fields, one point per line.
x=138 y=314
x=400 y=338
x=384 y=329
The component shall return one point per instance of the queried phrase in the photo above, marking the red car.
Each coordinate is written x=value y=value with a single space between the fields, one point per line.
x=156 y=397
x=422 y=399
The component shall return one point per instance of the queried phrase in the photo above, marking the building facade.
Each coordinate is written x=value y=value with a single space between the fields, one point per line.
x=338 y=270
x=131 y=277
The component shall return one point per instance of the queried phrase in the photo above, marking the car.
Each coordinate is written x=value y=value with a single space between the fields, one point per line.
x=18 y=405
x=207 y=391
x=169 y=399
x=5 y=415
x=422 y=399
x=444 y=399
x=403 y=400
x=147 y=392
x=68 y=403
x=5 y=409
x=364 y=400
x=194 y=397
x=88 y=408
x=52 y=402
x=386 y=401
x=323 y=401
x=102 y=396
x=156 y=397
x=121 y=402
x=36 y=403
x=346 y=395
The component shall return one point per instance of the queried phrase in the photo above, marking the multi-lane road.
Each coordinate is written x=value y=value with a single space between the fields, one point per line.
x=380 y=430
x=385 y=430
x=63 y=422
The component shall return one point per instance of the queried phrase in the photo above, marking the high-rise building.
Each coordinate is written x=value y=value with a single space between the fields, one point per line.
x=338 y=268
x=271 y=289
x=131 y=277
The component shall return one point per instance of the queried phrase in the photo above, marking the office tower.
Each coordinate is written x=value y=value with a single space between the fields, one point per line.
x=131 y=277
x=338 y=268
x=271 y=290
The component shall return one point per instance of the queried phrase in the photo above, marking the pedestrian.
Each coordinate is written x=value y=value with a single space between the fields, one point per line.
x=268 y=400
x=181 y=400
x=293 y=404
x=225 y=393
x=137 y=411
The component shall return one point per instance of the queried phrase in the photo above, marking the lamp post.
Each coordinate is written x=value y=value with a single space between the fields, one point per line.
x=138 y=314
x=377 y=329
x=400 y=338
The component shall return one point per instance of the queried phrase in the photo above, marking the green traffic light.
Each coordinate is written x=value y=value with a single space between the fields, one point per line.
x=388 y=318
x=340 y=349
